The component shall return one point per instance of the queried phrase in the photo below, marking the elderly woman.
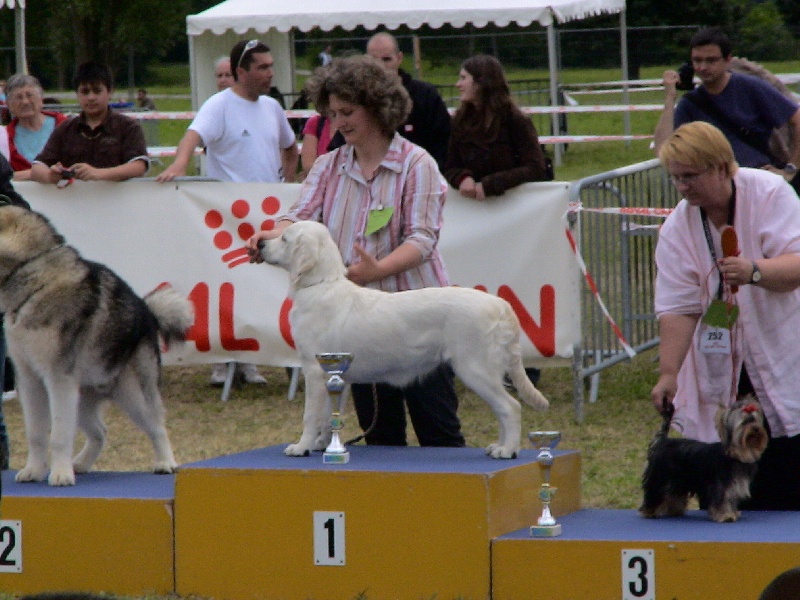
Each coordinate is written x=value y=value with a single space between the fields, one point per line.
x=30 y=126
x=708 y=354
x=493 y=144
x=382 y=198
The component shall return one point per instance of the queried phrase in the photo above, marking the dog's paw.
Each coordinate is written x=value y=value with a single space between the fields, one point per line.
x=81 y=466
x=30 y=474
x=165 y=468
x=296 y=450
x=498 y=451
x=61 y=478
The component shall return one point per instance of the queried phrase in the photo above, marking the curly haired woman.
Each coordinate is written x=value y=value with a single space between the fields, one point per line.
x=381 y=197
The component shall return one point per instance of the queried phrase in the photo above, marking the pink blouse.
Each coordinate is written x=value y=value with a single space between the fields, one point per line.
x=767 y=221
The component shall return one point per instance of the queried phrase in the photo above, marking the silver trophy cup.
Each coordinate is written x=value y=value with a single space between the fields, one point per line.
x=545 y=442
x=335 y=364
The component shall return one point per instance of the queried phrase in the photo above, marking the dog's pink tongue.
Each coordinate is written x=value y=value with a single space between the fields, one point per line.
x=750 y=408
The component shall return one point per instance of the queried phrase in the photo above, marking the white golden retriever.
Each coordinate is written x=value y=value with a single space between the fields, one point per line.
x=395 y=337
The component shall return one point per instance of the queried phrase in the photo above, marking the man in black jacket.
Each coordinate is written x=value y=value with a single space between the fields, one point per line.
x=428 y=125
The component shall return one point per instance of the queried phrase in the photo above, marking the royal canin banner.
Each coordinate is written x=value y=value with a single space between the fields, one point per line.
x=191 y=235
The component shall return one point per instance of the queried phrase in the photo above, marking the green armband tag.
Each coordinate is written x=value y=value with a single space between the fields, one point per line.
x=378 y=219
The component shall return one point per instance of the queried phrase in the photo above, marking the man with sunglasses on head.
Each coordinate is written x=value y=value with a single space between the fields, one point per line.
x=247 y=138
x=245 y=132
x=745 y=108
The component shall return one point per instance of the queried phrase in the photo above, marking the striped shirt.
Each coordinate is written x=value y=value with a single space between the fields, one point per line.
x=408 y=181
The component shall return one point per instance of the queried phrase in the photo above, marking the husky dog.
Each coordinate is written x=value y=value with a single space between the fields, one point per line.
x=397 y=337
x=79 y=335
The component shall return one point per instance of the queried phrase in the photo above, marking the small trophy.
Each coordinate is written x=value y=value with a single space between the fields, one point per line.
x=335 y=364
x=545 y=441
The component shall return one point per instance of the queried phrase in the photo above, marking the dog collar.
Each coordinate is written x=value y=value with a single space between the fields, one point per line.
x=29 y=261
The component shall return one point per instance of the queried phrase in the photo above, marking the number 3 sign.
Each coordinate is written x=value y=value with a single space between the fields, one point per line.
x=638 y=575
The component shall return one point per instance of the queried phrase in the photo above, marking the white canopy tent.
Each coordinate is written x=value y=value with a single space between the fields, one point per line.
x=213 y=32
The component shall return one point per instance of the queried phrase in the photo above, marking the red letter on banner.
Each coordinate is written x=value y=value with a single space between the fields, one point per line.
x=227 y=336
x=542 y=336
x=199 y=329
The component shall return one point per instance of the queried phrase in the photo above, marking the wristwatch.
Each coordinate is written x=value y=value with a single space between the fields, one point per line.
x=756 y=276
x=790 y=169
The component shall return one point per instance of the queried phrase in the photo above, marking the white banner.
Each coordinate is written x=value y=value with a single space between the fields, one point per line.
x=191 y=234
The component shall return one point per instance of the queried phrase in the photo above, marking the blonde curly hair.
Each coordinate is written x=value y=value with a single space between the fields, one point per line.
x=361 y=80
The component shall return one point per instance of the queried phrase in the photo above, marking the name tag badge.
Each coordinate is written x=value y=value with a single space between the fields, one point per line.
x=715 y=340
x=378 y=219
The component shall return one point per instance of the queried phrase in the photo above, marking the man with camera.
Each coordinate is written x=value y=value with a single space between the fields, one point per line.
x=746 y=108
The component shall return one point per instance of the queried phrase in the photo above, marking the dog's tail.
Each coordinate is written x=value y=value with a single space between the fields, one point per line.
x=525 y=388
x=516 y=371
x=174 y=313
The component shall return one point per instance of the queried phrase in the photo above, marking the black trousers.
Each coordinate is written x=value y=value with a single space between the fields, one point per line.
x=432 y=407
x=776 y=485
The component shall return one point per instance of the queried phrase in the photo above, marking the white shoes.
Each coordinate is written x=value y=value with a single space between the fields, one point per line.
x=247 y=372
x=250 y=374
x=219 y=372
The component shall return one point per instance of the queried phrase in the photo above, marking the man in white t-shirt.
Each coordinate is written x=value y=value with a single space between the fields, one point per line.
x=245 y=132
x=247 y=138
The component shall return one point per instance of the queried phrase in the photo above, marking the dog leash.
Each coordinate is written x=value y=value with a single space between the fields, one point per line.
x=369 y=429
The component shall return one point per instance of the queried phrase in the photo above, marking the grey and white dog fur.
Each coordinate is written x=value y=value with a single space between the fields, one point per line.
x=396 y=337
x=78 y=336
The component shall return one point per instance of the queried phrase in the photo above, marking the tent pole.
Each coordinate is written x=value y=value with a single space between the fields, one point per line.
x=19 y=35
x=417 y=57
x=552 y=58
x=623 y=42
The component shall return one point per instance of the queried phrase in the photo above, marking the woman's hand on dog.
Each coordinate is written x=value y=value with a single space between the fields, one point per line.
x=253 y=251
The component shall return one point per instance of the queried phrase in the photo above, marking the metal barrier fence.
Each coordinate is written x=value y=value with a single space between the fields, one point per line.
x=618 y=250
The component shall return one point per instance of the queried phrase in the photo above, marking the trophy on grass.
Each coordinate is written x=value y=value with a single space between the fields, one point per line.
x=545 y=442
x=335 y=364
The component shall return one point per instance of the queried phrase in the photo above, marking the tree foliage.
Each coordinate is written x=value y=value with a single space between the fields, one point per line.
x=65 y=33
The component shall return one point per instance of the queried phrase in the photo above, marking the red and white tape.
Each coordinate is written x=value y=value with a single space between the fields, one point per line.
x=593 y=287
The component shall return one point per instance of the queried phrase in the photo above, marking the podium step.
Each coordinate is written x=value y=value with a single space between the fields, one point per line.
x=391 y=523
x=610 y=554
x=112 y=532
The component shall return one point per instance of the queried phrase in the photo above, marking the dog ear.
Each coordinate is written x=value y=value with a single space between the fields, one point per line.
x=304 y=253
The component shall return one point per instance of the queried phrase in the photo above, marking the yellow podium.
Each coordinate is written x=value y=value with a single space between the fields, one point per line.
x=392 y=523
x=618 y=554
x=111 y=532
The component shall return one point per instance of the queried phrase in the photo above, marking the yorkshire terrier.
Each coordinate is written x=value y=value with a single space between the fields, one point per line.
x=718 y=474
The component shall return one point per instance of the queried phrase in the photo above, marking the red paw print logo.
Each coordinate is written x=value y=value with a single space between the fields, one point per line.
x=240 y=210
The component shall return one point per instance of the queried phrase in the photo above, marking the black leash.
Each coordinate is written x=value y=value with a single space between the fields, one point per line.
x=369 y=429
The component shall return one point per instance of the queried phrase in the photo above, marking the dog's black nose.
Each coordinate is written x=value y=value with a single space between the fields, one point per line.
x=260 y=244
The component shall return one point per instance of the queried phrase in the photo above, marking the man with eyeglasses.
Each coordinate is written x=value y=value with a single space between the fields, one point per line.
x=746 y=108
x=247 y=138
x=428 y=125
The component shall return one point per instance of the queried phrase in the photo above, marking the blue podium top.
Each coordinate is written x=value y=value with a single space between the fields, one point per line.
x=628 y=525
x=96 y=484
x=403 y=459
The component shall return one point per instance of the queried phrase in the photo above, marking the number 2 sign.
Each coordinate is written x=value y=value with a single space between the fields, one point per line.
x=10 y=546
